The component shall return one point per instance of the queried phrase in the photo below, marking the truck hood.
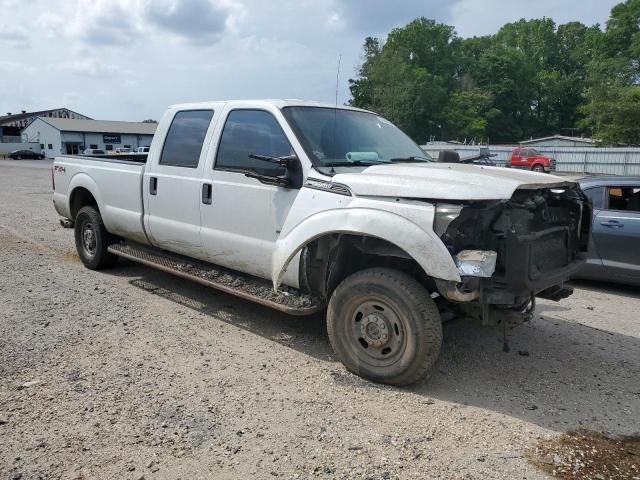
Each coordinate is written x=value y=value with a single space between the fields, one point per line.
x=444 y=181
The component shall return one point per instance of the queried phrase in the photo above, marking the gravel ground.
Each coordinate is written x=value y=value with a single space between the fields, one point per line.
x=133 y=373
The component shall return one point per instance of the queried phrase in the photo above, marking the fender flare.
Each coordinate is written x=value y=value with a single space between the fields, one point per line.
x=423 y=246
x=82 y=180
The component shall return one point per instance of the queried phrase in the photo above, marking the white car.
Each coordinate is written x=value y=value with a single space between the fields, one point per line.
x=142 y=150
x=93 y=151
x=302 y=207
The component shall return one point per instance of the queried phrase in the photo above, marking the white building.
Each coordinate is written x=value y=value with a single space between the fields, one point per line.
x=71 y=136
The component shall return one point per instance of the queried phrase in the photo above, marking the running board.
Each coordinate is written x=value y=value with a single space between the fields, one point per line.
x=244 y=286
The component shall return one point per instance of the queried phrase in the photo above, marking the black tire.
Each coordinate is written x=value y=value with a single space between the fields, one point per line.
x=384 y=326
x=538 y=168
x=92 y=240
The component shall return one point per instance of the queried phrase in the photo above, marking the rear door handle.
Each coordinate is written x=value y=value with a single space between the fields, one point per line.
x=153 y=185
x=612 y=224
x=206 y=193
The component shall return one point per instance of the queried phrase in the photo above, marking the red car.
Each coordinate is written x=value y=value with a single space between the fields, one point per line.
x=531 y=159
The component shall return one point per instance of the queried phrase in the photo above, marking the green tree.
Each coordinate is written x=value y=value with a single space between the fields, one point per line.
x=622 y=37
x=508 y=76
x=613 y=111
x=361 y=88
x=613 y=77
x=578 y=45
x=409 y=78
x=532 y=78
x=467 y=114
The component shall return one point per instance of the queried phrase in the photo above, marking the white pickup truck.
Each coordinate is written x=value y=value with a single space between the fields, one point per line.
x=302 y=207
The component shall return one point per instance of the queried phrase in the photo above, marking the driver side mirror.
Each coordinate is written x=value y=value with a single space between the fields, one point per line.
x=289 y=166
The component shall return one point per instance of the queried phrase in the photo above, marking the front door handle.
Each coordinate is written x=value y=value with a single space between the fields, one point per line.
x=153 y=185
x=612 y=224
x=206 y=193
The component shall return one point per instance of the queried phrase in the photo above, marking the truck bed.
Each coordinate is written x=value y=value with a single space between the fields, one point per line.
x=115 y=183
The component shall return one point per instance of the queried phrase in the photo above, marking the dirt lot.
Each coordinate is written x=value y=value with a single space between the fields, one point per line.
x=132 y=373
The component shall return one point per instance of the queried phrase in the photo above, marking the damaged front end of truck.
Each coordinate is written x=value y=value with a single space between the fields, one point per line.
x=508 y=252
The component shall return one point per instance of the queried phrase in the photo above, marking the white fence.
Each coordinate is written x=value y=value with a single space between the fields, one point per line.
x=615 y=161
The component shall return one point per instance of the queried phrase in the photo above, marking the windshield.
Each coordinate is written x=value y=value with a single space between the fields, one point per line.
x=341 y=137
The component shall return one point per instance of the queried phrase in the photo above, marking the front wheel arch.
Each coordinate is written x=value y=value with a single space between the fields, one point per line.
x=326 y=261
x=421 y=244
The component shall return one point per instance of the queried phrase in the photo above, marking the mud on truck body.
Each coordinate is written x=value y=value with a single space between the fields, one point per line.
x=305 y=207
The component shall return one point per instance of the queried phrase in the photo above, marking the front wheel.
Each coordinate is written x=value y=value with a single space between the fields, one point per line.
x=92 y=240
x=384 y=326
x=538 y=168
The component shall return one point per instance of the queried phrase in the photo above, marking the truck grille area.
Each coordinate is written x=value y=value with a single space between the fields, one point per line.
x=550 y=251
x=540 y=236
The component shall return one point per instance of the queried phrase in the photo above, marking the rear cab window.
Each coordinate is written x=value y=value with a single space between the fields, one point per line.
x=183 y=143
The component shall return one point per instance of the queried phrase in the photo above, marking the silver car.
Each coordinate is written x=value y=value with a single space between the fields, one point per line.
x=614 y=249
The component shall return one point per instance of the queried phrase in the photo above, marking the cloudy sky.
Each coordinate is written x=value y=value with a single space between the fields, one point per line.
x=129 y=59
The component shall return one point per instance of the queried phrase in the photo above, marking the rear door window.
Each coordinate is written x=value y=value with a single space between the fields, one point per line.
x=184 y=140
x=624 y=198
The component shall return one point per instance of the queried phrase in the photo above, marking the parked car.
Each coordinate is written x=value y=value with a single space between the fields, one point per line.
x=93 y=151
x=123 y=150
x=614 y=249
x=26 y=154
x=530 y=159
x=143 y=150
x=303 y=207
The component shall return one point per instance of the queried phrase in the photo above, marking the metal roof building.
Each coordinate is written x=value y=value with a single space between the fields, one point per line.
x=24 y=119
x=559 y=141
x=71 y=136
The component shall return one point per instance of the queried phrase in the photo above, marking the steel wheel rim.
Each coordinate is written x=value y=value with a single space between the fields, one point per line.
x=377 y=332
x=89 y=240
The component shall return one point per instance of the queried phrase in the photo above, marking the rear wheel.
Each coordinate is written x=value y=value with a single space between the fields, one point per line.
x=92 y=240
x=537 y=168
x=384 y=326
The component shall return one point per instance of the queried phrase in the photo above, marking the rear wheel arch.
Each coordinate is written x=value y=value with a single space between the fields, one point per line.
x=81 y=197
x=92 y=239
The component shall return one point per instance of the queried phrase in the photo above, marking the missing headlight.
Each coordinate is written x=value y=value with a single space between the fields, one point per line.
x=444 y=215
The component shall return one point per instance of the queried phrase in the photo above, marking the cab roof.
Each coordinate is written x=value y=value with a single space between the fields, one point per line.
x=603 y=180
x=278 y=103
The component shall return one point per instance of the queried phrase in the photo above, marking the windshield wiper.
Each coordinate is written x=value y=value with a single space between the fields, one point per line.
x=354 y=163
x=409 y=160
